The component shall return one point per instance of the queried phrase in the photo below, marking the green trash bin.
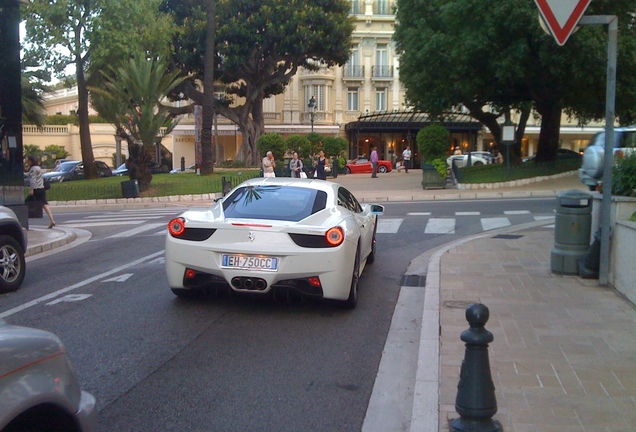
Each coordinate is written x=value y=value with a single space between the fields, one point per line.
x=572 y=231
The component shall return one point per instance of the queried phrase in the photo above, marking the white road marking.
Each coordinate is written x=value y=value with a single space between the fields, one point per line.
x=516 y=212
x=117 y=218
x=389 y=226
x=121 y=278
x=140 y=229
x=440 y=226
x=77 y=285
x=539 y=218
x=70 y=298
x=98 y=224
x=470 y=213
x=419 y=214
x=488 y=224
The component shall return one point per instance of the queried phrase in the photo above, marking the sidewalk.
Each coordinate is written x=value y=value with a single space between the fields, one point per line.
x=564 y=351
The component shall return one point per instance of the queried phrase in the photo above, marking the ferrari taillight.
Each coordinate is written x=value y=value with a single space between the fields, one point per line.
x=176 y=226
x=335 y=236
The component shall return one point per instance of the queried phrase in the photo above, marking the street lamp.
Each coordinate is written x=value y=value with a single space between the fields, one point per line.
x=312 y=106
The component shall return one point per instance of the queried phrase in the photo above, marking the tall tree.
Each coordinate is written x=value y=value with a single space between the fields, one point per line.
x=85 y=35
x=132 y=100
x=492 y=56
x=260 y=44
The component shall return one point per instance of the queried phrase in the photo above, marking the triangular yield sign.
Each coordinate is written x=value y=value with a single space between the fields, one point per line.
x=562 y=16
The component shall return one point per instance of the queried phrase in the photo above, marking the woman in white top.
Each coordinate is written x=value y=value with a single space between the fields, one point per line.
x=37 y=186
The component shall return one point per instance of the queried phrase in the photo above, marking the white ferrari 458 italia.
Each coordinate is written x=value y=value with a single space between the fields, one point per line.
x=307 y=236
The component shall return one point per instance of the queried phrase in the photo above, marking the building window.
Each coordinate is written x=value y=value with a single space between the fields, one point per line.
x=380 y=99
x=317 y=91
x=356 y=7
x=352 y=99
x=353 y=69
x=381 y=55
x=382 y=7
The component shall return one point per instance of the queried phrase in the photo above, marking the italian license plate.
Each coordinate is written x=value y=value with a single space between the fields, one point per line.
x=250 y=262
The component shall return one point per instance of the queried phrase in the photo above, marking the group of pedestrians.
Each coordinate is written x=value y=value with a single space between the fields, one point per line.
x=296 y=166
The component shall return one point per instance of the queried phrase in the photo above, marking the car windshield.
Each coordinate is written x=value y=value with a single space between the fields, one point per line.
x=65 y=167
x=286 y=203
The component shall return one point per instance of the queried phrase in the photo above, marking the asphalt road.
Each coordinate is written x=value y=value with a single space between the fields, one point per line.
x=156 y=362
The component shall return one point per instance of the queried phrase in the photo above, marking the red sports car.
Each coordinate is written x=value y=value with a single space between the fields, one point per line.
x=362 y=166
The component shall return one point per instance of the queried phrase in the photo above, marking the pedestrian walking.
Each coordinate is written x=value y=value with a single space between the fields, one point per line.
x=374 y=162
x=406 y=156
x=295 y=166
x=36 y=183
x=268 y=165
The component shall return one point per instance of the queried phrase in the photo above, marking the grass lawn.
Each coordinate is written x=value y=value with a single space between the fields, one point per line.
x=161 y=185
x=499 y=173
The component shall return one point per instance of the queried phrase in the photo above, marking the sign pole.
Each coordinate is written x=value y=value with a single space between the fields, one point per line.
x=610 y=100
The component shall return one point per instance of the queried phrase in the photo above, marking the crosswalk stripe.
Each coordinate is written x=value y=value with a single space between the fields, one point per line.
x=540 y=218
x=389 y=225
x=516 y=212
x=470 y=213
x=440 y=226
x=488 y=224
x=140 y=229
x=98 y=224
x=123 y=217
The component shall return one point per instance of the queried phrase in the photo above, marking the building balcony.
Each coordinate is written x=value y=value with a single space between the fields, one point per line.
x=323 y=72
x=320 y=117
x=379 y=73
x=353 y=73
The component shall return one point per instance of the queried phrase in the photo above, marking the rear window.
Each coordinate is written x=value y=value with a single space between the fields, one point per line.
x=286 y=203
x=622 y=139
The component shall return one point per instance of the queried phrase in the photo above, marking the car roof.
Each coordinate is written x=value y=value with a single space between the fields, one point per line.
x=327 y=186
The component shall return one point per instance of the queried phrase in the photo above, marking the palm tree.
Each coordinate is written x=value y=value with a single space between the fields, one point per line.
x=32 y=101
x=132 y=100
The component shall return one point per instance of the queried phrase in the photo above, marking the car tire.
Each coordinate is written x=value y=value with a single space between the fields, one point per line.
x=478 y=163
x=347 y=170
x=186 y=293
x=382 y=169
x=352 y=301
x=12 y=264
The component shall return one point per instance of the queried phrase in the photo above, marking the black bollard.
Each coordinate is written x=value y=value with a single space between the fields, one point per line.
x=476 y=402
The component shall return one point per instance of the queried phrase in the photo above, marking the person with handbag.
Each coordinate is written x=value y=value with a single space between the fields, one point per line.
x=296 y=166
x=37 y=190
x=322 y=166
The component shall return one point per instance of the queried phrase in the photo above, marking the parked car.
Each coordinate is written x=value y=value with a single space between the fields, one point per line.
x=122 y=170
x=274 y=235
x=74 y=170
x=475 y=160
x=591 y=171
x=363 y=166
x=38 y=387
x=191 y=168
x=13 y=244
x=562 y=154
x=65 y=171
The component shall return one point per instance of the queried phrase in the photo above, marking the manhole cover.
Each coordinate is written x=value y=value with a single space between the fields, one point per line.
x=458 y=304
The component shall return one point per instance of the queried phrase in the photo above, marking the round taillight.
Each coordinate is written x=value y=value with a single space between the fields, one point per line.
x=335 y=236
x=176 y=226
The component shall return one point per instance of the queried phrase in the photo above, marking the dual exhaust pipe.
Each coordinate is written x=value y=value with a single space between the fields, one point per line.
x=248 y=283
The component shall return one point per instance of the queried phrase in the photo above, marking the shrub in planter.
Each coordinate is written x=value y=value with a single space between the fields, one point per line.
x=441 y=167
x=624 y=175
x=433 y=142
